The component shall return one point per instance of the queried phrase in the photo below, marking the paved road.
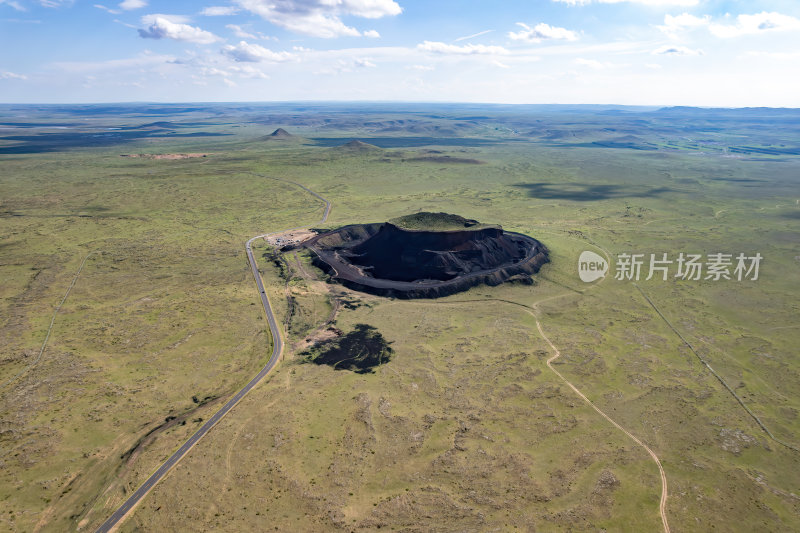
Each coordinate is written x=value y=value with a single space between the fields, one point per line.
x=133 y=500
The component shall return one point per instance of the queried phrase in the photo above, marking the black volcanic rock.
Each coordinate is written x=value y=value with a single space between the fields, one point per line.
x=401 y=255
x=390 y=260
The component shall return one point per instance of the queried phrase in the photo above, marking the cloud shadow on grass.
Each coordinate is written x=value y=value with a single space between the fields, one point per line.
x=584 y=192
x=58 y=142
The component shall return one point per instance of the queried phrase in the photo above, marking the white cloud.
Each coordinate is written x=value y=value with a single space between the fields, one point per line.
x=104 y=8
x=117 y=21
x=363 y=63
x=128 y=5
x=247 y=71
x=467 y=37
x=500 y=64
x=371 y=9
x=144 y=60
x=774 y=55
x=685 y=21
x=213 y=71
x=314 y=24
x=6 y=75
x=686 y=3
x=673 y=50
x=230 y=83
x=542 y=32
x=346 y=65
x=253 y=53
x=13 y=4
x=372 y=34
x=598 y=65
x=163 y=28
x=55 y=3
x=239 y=32
x=175 y=19
x=591 y=63
x=424 y=68
x=744 y=24
x=467 y=49
x=219 y=11
x=758 y=23
x=241 y=71
x=319 y=18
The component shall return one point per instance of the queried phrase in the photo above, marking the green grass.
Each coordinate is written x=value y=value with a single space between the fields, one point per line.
x=437 y=222
x=465 y=426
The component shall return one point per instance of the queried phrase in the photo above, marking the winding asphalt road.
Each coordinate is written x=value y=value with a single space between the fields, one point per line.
x=133 y=500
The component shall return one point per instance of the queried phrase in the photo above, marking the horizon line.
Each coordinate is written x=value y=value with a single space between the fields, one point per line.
x=392 y=102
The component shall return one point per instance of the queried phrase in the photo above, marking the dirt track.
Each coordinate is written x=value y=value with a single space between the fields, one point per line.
x=662 y=508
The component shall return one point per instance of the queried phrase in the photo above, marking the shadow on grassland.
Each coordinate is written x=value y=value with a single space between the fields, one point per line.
x=360 y=350
x=406 y=142
x=747 y=182
x=56 y=142
x=584 y=192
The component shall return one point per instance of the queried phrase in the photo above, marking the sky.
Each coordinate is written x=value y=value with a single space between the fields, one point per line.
x=727 y=53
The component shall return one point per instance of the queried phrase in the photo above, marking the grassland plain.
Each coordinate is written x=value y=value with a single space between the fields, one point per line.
x=465 y=428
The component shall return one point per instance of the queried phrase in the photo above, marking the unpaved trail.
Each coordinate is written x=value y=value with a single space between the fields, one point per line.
x=52 y=323
x=716 y=375
x=227 y=483
x=532 y=310
x=662 y=507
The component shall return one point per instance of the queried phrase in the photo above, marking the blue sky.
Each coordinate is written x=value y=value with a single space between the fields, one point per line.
x=649 y=52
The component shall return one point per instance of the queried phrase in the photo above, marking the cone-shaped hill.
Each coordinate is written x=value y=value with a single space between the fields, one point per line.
x=425 y=255
x=356 y=146
x=281 y=134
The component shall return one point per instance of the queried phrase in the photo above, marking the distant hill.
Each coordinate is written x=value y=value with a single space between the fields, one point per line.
x=631 y=142
x=358 y=146
x=161 y=125
x=281 y=133
x=748 y=112
x=283 y=136
x=447 y=159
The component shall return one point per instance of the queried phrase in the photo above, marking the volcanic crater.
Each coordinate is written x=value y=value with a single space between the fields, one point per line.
x=425 y=255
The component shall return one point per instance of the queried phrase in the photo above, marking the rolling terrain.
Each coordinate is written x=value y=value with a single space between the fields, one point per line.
x=465 y=426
